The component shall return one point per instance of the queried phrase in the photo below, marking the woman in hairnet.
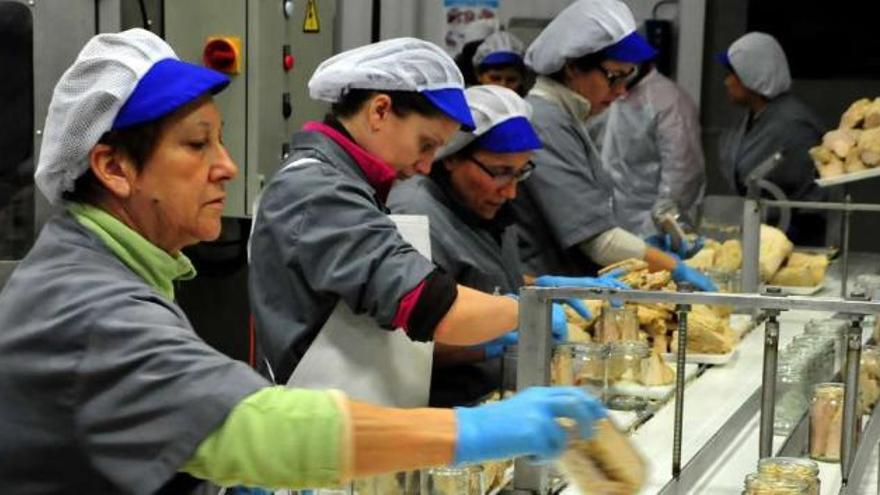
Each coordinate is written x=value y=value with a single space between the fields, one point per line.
x=499 y=61
x=331 y=276
x=758 y=80
x=466 y=198
x=652 y=152
x=106 y=387
x=583 y=59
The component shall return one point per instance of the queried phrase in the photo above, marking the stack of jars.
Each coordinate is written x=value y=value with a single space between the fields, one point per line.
x=803 y=364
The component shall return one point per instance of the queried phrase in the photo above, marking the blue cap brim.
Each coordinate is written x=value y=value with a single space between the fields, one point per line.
x=724 y=59
x=453 y=103
x=511 y=136
x=501 y=58
x=167 y=86
x=632 y=48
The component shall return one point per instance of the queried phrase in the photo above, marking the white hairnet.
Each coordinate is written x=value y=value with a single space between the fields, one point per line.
x=490 y=105
x=87 y=99
x=584 y=27
x=500 y=42
x=479 y=29
x=401 y=64
x=760 y=64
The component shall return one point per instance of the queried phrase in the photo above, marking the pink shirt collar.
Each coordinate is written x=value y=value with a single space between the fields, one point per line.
x=379 y=174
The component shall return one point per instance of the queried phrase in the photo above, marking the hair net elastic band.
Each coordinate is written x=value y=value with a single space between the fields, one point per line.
x=631 y=48
x=501 y=58
x=452 y=102
x=168 y=85
x=511 y=136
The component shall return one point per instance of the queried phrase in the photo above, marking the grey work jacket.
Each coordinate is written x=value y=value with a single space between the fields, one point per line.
x=321 y=234
x=105 y=387
x=787 y=124
x=465 y=248
x=566 y=200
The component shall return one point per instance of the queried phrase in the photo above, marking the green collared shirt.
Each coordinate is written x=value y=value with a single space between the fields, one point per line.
x=154 y=265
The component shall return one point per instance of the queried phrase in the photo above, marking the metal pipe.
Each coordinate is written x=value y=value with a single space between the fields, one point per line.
x=783 y=302
x=848 y=437
x=768 y=383
x=532 y=368
x=680 y=361
x=751 y=245
x=816 y=205
x=845 y=242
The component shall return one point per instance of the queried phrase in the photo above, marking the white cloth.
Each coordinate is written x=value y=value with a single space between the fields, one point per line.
x=500 y=42
x=584 y=27
x=612 y=246
x=351 y=353
x=760 y=64
x=400 y=64
x=652 y=151
x=86 y=100
x=490 y=105
x=479 y=29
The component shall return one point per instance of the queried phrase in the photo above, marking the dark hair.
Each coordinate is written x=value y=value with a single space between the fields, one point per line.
x=403 y=103
x=465 y=62
x=518 y=66
x=137 y=142
x=584 y=63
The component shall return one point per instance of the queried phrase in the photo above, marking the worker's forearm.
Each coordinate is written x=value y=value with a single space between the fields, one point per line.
x=658 y=260
x=389 y=440
x=451 y=355
x=476 y=317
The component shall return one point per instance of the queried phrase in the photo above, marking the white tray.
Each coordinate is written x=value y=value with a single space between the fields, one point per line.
x=845 y=178
x=797 y=291
x=656 y=392
x=699 y=358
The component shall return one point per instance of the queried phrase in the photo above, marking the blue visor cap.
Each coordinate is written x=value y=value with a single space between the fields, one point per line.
x=452 y=102
x=631 y=48
x=501 y=58
x=167 y=86
x=724 y=59
x=511 y=136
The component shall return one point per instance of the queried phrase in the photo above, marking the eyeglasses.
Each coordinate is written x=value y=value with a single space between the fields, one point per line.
x=508 y=174
x=615 y=78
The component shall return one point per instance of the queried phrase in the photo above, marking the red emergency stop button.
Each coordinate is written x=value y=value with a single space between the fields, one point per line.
x=287 y=58
x=223 y=54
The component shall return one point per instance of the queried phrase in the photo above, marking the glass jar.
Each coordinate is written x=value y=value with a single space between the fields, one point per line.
x=465 y=480
x=578 y=364
x=624 y=365
x=726 y=281
x=763 y=484
x=617 y=324
x=791 y=395
x=792 y=468
x=402 y=483
x=826 y=422
x=834 y=329
x=819 y=348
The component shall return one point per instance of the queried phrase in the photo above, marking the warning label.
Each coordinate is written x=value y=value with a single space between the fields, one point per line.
x=311 y=23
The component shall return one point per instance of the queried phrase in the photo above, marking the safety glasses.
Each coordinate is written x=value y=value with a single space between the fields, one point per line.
x=503 y=174
x=616 y=78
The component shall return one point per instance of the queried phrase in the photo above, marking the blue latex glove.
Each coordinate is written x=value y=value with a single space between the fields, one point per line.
x=525 y=424
x=495 y=348
x=700 y=281
x=685 y=250
x=609 y=281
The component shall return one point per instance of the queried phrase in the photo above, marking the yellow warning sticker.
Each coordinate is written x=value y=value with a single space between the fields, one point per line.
x=311 y=24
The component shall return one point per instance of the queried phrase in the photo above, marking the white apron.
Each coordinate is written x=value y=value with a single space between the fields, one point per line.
x=353 y=354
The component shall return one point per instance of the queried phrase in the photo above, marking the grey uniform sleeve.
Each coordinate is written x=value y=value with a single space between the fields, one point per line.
x=346 y=245
x=566 y=186
x=682 y=164
x=148 y=391
x=796 y=172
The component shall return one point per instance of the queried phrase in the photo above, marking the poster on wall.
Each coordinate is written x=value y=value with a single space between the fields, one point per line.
x=468 y=20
